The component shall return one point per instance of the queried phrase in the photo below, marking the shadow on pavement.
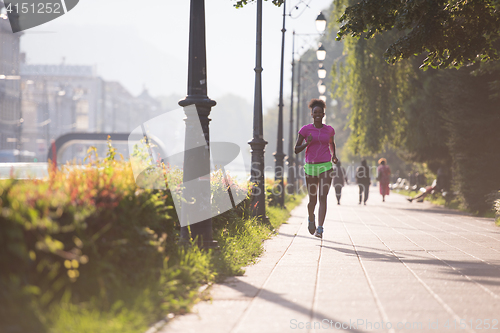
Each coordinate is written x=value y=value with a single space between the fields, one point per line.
x=433 y=210
x=250 y=291
x=471 y=269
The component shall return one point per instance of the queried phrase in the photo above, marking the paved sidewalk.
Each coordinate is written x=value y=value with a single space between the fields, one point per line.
x=385 y=267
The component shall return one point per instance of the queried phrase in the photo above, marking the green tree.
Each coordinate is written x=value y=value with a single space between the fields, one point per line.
x=441 y=117
x=451 y=33
x=376 y=93
x=425 y=138
x=472 y=121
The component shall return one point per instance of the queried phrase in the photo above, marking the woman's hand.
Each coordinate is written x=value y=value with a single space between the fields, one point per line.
x=309 y=139
x=334 y=159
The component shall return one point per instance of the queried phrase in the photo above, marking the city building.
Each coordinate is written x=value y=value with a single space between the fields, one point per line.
x=56 y=100
x=41 y=102
x=10 y=91
x=60 y=99
x=118 y=107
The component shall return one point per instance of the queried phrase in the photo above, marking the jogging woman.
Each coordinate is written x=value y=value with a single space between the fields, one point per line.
x=320 y=154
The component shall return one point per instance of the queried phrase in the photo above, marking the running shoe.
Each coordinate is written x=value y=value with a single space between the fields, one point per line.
x=312 y=225
x=319 y=232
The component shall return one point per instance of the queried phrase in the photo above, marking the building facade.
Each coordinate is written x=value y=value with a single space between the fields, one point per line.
x=60 y=99
x=11 y=119
x=56 y=100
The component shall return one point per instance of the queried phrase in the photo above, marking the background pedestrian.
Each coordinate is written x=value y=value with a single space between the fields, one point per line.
x=339 y=180
x=384 y=177
x=363 y=181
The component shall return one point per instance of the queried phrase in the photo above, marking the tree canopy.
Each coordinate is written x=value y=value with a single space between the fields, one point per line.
x=445 y=118
x=241 y=3
x=452 y=33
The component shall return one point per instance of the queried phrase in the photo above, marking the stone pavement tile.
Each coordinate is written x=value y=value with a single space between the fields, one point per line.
x=444 y=241
x=343 y=293
x=233 y=297
x=288 y=293
x=397 y=288
x=217 y=316
x=414 y=267
x=463 y=296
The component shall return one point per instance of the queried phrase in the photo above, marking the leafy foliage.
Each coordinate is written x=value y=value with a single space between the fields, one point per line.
x=497 y=207
x=445 y=118
x=472 y=121
x=86 y=250
x=425 y=134
x=81 y=222
x=451 y=33
x=376 y=93
x=241 y=3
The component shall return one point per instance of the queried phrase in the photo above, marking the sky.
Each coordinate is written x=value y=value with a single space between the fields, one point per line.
x=145 y=44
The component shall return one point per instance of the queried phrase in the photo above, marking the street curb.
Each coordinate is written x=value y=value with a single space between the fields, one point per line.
x=161 y=323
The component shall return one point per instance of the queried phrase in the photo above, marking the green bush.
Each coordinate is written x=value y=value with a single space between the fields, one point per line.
x=472 y=122
x=496 y=206
x=84 y=232
x=85 y=250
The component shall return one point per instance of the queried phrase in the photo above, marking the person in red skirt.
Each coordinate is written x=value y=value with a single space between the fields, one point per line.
x=384 y=177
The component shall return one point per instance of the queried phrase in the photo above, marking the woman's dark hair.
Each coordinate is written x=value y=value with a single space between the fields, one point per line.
x=317 y=102
x=364 y=163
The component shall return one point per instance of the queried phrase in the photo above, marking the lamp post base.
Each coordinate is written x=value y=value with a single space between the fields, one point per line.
x=185 y=240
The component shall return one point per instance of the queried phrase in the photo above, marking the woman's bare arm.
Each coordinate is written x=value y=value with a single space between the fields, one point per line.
x=300 y=145
x=333 y=150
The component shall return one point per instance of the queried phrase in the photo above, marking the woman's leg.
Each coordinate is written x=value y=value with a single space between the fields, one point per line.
x=418 y=197
x=312 y=191
x=361 y=190
x=338 y=193
x=367 y=190
x=325 y=181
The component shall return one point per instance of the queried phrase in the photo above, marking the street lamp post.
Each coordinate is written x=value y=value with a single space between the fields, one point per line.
x=301 y=118
x=279 y=155
x=293 y=164
x=197 y=161
x=46 y=110
x=258 y=204
x=298 y=97
x=291 y=159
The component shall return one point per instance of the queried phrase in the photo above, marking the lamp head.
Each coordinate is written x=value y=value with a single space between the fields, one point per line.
x=321 y=89
x=321 y=52
x=321 y=72
x=321 y=23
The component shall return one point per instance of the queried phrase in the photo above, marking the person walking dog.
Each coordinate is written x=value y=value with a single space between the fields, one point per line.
x=318 y=168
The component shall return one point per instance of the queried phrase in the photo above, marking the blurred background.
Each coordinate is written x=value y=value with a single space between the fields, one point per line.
x=110 y=66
